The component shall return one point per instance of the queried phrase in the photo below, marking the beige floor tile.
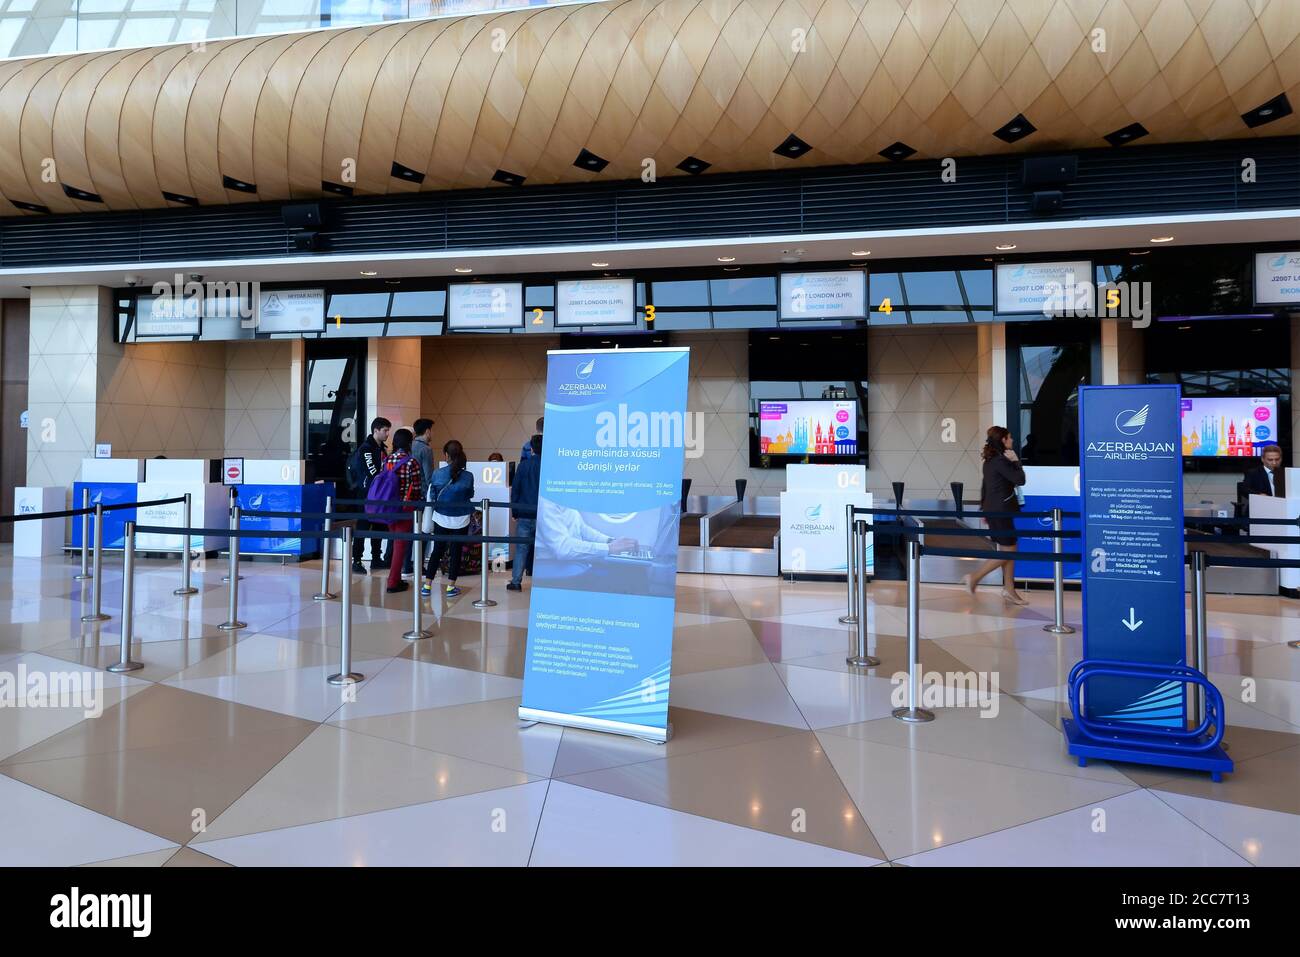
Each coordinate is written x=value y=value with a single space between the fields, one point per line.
x=149 y=859
x=22 y=728
x=161 y=659
x=486 y=731
x=160 y=716
x=721 y=644
x=693 y=732
x=188 y=857
x=163 y=789
x=1014 y=736
x=782 y=785
x=1270 y=781
x=1278 y=661
x=253 y=654
x=474 y=646
x=917 y=800
x=335 y=773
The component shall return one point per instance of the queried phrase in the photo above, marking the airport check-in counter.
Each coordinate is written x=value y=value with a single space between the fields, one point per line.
x=111 y=482
x=170 y=478
x=276 y=485
x=721 y=535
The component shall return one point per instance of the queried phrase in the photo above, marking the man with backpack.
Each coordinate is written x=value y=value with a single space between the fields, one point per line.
x=363 y=465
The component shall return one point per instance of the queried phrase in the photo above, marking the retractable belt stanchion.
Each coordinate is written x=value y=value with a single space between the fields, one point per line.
x=234 y=524
x=418 y=630
x=851 y=560
x=483 y=600
x=232 y=621
x=82 y=575
x=124 y=662
x=1200 y=645
x=913 y=712
x=186 y=588
x=860 y=658
x=327 y=553
x=97 y=582
x=1058 y=627
x=346 y=675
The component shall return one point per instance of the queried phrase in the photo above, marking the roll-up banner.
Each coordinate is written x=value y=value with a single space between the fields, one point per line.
x=1131 y=480
x=600 y=623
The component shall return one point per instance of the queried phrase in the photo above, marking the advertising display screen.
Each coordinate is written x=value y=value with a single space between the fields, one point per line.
x=1227 y=426
x=808 y=427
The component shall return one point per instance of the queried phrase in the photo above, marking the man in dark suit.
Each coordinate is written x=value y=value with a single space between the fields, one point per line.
x=1267 y=478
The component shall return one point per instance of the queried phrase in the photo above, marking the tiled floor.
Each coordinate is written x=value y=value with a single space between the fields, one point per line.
x=234 y=750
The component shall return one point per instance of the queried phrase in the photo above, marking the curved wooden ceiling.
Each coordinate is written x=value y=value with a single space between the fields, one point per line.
x=456 y=100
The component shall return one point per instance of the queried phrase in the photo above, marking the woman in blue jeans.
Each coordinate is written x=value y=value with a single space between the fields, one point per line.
x=451 y=492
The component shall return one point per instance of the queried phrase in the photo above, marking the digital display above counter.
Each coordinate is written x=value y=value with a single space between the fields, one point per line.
x=475 y=306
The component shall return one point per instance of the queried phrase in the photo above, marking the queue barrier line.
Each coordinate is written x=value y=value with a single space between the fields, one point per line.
x=952 y=513
x=1198 y=520
x=915 y=530
x=1055 y=557
x=1247 y=539
x=87 y=510
x=1240 y=562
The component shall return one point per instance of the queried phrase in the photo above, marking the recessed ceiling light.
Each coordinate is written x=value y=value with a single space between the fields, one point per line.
x=726 y=259
x=464 y=269
x=599 y=265
x=1162 y=239
x=1139 y=252
x=1005 y=246
x=860 y=252
x=731 y=269
x=369 y=272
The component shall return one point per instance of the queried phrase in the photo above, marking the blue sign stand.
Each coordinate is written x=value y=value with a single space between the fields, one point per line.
x=600 y=622
x=1128 y=695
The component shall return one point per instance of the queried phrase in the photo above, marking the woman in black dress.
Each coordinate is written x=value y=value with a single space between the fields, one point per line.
x=1003 y=473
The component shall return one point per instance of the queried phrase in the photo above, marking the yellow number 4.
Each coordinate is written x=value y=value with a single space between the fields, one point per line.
x=886 y=307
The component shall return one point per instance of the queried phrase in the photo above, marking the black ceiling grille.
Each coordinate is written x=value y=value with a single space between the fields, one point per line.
x=229 y=182
x=1137 y=180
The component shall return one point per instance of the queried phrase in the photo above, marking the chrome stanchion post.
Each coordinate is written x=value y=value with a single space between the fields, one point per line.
x=913 y=712
x=850 y=565
x=186 y=588
x=1200 y=647
x=327 y=552
x=97 y=583
x=1058 y=627
x=483 y=600
x=232 y=621
x=233 y=521
x=124 y=662
x=346 y=675
x=860 y=658
x=84 y=574
x=418 y=630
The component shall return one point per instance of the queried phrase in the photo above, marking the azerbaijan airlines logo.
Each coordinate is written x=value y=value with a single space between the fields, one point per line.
x=582 y=387
x=813 y=512
x=1130 y=422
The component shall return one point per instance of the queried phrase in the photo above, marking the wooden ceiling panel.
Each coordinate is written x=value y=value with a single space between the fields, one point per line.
x=455 y=99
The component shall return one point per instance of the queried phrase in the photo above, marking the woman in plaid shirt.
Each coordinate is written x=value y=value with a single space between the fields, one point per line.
x=410 y=488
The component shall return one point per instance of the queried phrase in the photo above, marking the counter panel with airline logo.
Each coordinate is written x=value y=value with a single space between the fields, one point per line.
x=282 y=498
x=106 y=493
x=1131 y=482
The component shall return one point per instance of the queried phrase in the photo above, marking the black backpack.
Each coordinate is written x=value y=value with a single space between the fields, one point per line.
x=358 y=476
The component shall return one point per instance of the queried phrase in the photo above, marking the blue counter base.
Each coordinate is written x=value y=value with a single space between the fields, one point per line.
x=1084 y=746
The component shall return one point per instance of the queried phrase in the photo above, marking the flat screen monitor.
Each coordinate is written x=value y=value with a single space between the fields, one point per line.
x=808 y=427
x=1228 y=426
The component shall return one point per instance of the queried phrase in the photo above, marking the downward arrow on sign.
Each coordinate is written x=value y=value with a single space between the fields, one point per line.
x=1131 y=623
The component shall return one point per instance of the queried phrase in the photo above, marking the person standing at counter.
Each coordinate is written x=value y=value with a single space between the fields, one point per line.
x=1003 y=474
x=451 y=491
x=410 y=487
x=527 y=450
x=1267 y=478
x=363 y=465
x=422 y=452
x=523 y=491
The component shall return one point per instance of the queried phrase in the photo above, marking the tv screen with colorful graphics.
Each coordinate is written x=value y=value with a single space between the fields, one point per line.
x=808 y=427
x=1228 y=426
